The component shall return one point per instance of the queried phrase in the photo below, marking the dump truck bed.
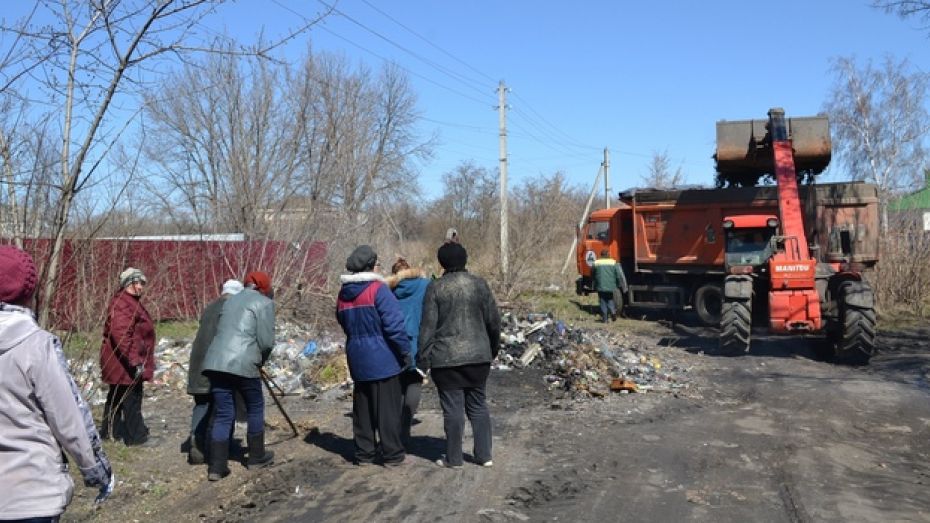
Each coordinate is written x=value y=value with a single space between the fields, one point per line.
x=682 y=231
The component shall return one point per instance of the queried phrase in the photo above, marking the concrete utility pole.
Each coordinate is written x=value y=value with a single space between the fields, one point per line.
x=502 y=121
x=606 y=166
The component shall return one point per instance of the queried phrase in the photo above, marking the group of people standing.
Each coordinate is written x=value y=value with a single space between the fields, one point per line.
x=399 y=330
x=234 y=340
x=404 y=326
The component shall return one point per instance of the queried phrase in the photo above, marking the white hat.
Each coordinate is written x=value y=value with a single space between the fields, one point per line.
x=232 y=287
x=131 y=275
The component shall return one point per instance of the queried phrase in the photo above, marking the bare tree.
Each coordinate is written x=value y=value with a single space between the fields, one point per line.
x=91 y=54
x=544 y=212
x=469 y=202
x=907 y=9
x=660 y=174
x=880 y=123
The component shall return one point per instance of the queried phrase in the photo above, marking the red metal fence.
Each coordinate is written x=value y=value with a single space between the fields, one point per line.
x=183 y=276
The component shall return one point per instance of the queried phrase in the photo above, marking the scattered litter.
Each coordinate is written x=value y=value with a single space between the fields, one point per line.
x=587 y=363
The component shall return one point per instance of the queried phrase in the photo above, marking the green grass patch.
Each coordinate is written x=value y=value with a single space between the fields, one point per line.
x=176 y=329
x=82 y=345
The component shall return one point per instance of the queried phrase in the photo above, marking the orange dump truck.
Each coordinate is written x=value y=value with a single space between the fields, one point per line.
x=671 y=243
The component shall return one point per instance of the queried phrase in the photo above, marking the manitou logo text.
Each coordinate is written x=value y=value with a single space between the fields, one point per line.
x=800 y=267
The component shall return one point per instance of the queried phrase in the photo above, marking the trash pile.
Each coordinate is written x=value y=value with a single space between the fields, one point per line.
x=301 y=362
x=584 y=363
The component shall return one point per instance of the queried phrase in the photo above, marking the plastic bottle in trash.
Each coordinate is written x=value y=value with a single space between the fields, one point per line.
x=310 y=348
x=560 y=328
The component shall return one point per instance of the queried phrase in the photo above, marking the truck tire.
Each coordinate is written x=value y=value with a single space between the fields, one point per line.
x=735 y=327
x=855 y=343
x=736 y=316
x=708 y=303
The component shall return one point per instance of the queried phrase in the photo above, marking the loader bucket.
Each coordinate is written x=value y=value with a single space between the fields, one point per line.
x=743 y=146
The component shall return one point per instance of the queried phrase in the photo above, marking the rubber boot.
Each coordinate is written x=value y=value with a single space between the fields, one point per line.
x=258 y=456
x=195 y=455
x=219 y=454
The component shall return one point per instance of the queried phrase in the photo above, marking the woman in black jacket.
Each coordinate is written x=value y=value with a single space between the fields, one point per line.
x=459 y=337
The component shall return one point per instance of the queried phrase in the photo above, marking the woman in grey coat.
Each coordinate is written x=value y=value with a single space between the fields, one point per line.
x=243 y=341
x=459 y=337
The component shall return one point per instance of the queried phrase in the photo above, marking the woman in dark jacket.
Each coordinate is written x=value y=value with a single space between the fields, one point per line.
x=459 y=337
x=377 y=350
x=127 y=359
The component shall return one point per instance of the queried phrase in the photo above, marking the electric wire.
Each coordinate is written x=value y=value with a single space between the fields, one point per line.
x=468 y=82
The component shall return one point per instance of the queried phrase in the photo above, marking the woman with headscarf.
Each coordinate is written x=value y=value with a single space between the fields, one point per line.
x=459 y=337
x=127 y=359
x=243 y=342
x=42 y=413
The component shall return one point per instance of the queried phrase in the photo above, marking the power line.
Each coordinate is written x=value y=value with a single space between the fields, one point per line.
x=550 y=124
x=428 y=41
x=383 y=58
x=468 y=82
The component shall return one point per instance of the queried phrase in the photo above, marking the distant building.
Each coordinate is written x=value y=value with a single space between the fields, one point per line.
x=915 y=206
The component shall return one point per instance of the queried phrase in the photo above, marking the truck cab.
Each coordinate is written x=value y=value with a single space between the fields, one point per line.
x=748 y=242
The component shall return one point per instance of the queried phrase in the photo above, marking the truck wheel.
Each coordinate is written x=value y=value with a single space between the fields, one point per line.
x=735 y=326
x=708 y=303
x=855 y=344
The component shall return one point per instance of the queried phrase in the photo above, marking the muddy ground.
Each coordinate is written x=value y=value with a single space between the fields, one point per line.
x=775 y=435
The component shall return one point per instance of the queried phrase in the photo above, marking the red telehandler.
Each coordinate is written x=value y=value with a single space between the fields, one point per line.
x=769 y=264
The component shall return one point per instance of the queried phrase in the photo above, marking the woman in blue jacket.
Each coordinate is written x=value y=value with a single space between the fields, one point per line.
x=409 y=286
x=377 y=350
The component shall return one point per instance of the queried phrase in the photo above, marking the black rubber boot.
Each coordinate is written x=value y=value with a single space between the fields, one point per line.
x=195 y=455
x=258 y=456
x=219 y=454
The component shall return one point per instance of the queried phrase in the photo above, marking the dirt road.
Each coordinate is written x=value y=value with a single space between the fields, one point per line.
x=772 y=436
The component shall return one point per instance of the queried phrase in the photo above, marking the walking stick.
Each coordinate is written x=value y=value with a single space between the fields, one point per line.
x=266 y=379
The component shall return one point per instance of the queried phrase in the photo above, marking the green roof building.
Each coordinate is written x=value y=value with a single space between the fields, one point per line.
x=917 y=202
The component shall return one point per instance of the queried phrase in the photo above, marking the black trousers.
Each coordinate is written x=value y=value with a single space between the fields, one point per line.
x=376 y=408
x=411 y=384
x=456 y=404
x=122 y=415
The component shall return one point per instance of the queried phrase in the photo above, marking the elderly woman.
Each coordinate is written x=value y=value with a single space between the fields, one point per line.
x=459 y=337
x=242 y=343
x=42 y=412
x=377 y=351
x=127 y=359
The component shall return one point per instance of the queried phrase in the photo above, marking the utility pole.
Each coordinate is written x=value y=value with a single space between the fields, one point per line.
x=606 y=166
x=502 y=122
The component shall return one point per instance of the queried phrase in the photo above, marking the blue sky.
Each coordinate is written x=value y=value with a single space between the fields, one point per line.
x=635 y=77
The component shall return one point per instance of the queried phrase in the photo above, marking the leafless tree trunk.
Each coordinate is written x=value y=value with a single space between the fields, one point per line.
x=880 y=123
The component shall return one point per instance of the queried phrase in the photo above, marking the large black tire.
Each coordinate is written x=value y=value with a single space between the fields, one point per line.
x=736 y=327
x=708 y=303
x=855 y=343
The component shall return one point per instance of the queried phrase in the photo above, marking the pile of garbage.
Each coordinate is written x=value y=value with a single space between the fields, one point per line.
x=589 y=363
x=301 y=363
x=582 y=362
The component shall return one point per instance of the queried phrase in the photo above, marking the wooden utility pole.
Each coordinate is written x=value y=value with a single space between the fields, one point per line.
x=502 y=121
x=606 y=166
